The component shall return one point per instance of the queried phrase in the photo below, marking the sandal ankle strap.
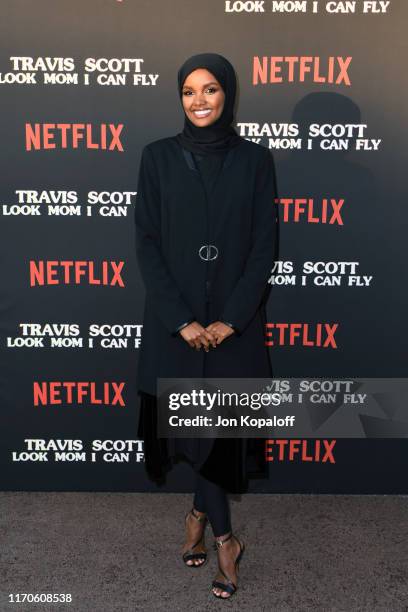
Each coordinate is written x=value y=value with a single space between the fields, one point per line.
x=219 y=543
x=197 y=517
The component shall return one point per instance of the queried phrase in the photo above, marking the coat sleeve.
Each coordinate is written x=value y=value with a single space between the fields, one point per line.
x=161 y=288
x=247 y=294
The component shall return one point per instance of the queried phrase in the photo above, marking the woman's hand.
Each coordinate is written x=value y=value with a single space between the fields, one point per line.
x=197 y=336
x=220 y=330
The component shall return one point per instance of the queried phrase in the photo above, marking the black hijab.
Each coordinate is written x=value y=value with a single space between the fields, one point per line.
x=220 y=136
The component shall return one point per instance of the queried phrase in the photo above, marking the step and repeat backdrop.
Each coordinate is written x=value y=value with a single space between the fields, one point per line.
x=84 y=86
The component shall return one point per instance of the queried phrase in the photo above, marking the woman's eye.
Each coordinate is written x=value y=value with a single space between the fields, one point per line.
x=209 y=90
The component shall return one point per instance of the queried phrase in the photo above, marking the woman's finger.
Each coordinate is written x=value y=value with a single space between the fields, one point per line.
x=208 y=340
x=197 y=343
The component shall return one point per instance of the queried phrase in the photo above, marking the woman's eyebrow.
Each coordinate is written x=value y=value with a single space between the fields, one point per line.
x=206 y=85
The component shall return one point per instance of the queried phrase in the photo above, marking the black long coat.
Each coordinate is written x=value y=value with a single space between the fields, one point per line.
x=173 y=222
x=185 y=279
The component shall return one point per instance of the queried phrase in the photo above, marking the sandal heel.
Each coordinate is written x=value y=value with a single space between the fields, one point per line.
x=229 y=586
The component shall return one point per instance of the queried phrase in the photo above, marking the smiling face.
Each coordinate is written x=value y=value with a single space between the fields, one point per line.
x=202 y=97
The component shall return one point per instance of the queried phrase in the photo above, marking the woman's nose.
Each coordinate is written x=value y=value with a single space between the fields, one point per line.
x=200 y=98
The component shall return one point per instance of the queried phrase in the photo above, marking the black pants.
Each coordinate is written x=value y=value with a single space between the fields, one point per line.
x=212 y=499
x=209 y=497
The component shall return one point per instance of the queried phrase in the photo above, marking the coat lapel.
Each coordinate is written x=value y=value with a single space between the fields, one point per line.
x=189 y=159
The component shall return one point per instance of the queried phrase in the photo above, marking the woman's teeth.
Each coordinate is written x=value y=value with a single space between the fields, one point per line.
x=202 y=113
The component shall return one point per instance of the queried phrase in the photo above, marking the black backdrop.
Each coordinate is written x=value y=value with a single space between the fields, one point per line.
x=49 y=215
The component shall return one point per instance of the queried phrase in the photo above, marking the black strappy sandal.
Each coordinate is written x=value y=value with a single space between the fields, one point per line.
x=190 y=555
x=229 y=586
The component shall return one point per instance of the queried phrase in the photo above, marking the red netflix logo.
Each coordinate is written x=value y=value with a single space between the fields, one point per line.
x=291 y=69
x=69 y=135
x=326 y=212
x=106 y=393
x=303 y=334
x=75 y=273
x=317 y=451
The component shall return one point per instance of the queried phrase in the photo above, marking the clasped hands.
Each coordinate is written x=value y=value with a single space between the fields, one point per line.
x=198 y=336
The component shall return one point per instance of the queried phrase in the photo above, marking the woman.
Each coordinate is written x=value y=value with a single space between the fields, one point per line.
x=206 y=238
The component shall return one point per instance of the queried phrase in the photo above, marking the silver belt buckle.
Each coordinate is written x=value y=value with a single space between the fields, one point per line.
x=208 y=252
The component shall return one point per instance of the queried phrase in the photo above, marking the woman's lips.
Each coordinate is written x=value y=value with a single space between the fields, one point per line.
x=202 y=113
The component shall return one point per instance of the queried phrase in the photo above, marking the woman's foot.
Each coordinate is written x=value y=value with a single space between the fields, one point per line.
x=194 y=551
x=229 y=550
